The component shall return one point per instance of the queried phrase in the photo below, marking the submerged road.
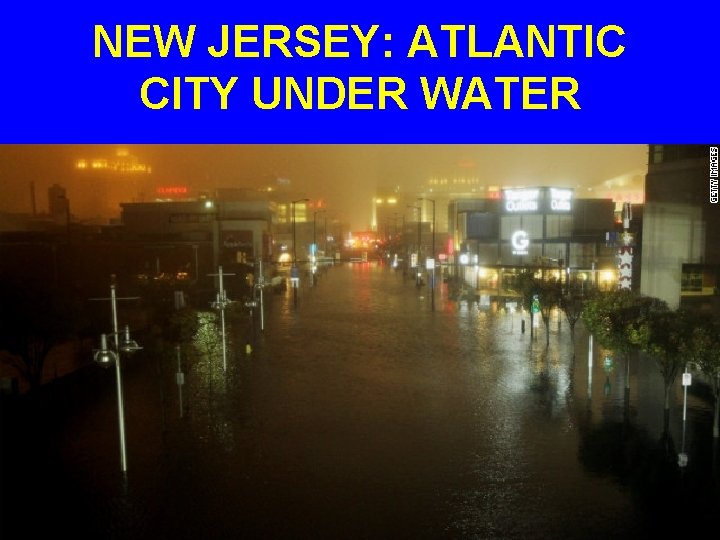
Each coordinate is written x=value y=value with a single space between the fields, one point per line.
x=362 y=413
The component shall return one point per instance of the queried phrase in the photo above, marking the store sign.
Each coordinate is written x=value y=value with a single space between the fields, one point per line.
x=536 y=200
x=520 y=243
x=521 y=200
x=560 y=200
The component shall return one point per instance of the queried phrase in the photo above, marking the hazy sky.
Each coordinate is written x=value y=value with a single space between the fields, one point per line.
x=345 y=175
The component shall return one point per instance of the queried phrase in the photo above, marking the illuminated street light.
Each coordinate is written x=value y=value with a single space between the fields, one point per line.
x=106 y=357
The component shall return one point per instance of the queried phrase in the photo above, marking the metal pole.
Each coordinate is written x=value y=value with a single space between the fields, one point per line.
x=590 y=366
x=220 y=303
x=292 y=207
x=261 y=280
x=179 y=379
x=224 y=348
x=118 y=377
x=295 y=266
x=432 y=290
x=417 y=268
x=682 y=457
x=222 y=297
x=197 y=274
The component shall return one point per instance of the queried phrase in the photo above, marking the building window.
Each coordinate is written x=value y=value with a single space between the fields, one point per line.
x=692 y=279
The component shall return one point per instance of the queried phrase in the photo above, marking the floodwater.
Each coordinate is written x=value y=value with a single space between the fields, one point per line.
x=361 y=412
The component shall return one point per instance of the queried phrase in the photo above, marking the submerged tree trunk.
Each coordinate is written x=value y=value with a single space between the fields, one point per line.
x=666 y=415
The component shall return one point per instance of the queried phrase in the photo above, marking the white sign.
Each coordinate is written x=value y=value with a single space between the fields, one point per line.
x=520 y=243
x=529 y=200
x=560 y=200
x=687 y=379
x=429 y=264
x=522 y=200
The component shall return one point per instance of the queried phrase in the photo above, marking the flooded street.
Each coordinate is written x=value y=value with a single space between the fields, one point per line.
x=362 y=413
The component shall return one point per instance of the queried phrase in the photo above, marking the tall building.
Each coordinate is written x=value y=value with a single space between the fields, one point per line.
x=102 y=183
x=681 y=227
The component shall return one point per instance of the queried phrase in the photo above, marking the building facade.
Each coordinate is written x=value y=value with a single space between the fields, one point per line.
x=681 y=227
x=542 y=229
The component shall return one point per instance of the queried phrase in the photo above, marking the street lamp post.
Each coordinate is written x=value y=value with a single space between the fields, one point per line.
x=221 y=302
x=325 y=250
x=432 y=283
x=197 y=274
x=294 y=271
x=314 y=261
x=106 y=356
x=686 y=381
x=417 y=262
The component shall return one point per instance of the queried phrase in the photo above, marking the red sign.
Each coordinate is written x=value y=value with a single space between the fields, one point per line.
x=171 y=190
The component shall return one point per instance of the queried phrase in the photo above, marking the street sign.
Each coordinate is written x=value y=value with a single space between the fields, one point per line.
x=429 y=264
x=687 y=379
x=535 y=304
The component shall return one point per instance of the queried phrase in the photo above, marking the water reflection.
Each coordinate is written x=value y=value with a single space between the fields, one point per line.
x=363 y=413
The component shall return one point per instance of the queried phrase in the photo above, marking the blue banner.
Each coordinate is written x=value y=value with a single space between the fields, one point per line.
x=371 y=72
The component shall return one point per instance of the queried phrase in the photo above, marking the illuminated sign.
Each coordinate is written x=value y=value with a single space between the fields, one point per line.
x=520 y=243
x=531 y=200
x=171 y=190
x=521 y=200
x=560 y=200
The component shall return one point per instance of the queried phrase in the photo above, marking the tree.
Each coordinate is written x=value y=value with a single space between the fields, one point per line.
x=545 y=294
x=659 y=334
x=614 y=317
x=572 y=304
x=701 y=346
x=33 y=319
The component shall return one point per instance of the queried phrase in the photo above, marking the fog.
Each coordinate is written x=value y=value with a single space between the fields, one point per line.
x=345 y=176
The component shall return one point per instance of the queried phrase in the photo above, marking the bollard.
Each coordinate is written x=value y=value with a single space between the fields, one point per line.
x=522 y=326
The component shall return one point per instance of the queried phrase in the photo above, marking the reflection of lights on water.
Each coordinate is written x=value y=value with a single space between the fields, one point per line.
x=207 y=337
x=209 y=384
